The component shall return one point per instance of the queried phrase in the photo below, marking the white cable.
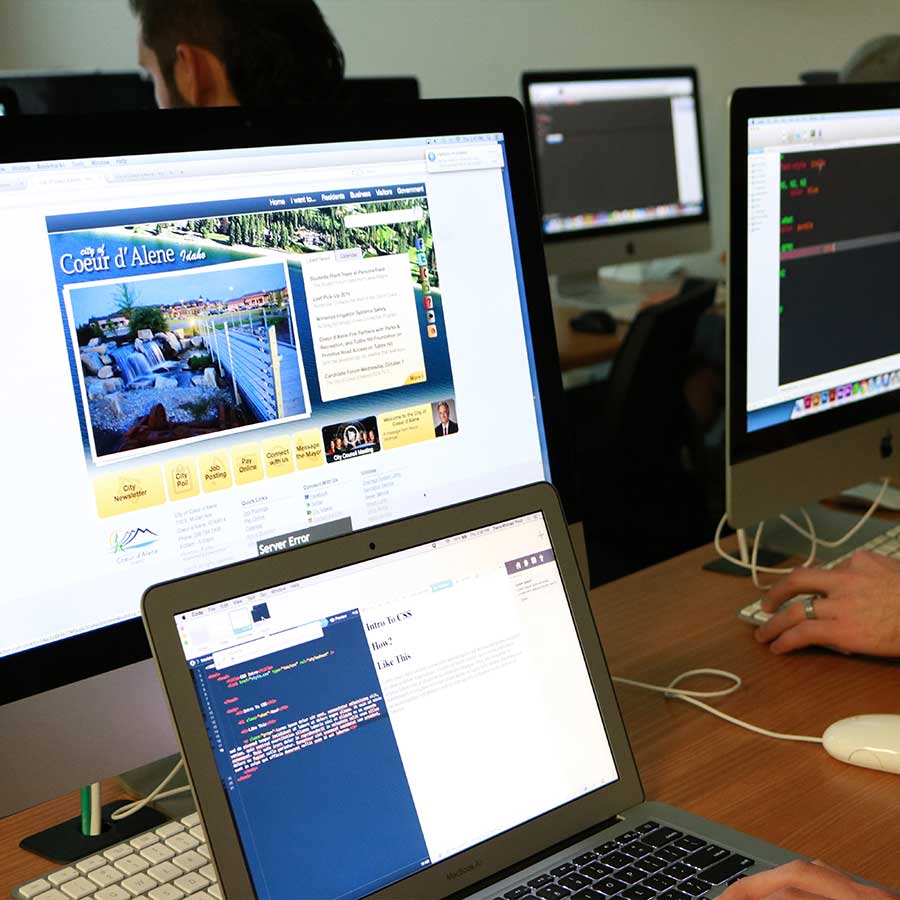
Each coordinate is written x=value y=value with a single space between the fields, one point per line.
x=156 y=794
x=96 y=827
x=754 y=569
x=690 y=697
x=841 y=541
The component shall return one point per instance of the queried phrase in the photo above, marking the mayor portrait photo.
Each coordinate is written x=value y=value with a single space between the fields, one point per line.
x=444 y=418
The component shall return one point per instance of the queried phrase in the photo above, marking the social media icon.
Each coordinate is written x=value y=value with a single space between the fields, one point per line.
x=432 y=331
x=428 y=302
x=807 y=402
x=429 y=317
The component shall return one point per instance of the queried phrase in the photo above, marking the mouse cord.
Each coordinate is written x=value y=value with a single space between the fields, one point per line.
x=156 y=794
x=687 y=696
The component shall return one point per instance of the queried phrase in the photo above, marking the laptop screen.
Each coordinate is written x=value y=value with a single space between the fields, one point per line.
x=223 y=354
x=374 y=720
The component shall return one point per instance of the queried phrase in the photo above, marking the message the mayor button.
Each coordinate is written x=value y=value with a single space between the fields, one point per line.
x=304 y=537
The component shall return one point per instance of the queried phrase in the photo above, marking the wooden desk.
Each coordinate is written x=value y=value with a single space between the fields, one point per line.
x=664 y=621
x=580 y=348
x=675 y=617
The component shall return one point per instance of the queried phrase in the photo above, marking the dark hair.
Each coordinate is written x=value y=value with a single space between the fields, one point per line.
x=274 y=51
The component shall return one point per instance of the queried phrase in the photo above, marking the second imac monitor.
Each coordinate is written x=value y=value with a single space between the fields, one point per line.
x=619 y=161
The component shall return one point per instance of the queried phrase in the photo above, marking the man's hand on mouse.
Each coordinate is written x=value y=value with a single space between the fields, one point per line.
x=857 y=608
x=801 y=880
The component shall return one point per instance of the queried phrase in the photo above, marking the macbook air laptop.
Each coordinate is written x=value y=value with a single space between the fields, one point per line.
x=421 y=710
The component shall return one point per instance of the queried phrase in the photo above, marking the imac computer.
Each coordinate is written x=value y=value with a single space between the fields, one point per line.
x=231 y=334
x=814 y=323
x=619 y=162
x=71 y=93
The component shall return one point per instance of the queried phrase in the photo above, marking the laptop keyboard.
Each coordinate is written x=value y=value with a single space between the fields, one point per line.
x=650 y=861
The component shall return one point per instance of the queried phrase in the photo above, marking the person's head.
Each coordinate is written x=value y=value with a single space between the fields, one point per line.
x=371 y=436
x=237 y=52
x=339 y=444
x=444 y=412
x=878 y=59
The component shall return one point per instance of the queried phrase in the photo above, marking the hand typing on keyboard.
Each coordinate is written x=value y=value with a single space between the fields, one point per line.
x=856 y=607
x=810 y=880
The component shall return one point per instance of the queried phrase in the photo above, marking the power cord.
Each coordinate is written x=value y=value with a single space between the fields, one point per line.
x=687 y=696
x=810 y=535
x=156 y=794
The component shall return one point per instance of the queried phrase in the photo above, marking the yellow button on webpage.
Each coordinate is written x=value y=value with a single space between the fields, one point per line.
x=247 y=463
x=122 y=492
x=215 y=473
x=181 y=478
x=278 y=456
x=406 y=426
x=308 y=451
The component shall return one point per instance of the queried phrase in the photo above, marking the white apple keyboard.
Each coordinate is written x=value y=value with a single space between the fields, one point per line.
x=170 y=862
x=886 y=544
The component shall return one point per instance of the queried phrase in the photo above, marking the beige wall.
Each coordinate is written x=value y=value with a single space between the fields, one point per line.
x=469 y=47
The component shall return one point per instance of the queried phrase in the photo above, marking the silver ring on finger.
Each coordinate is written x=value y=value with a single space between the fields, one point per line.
x=809 y=608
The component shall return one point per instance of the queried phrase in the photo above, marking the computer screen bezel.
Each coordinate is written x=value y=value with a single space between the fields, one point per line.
x=33 y=138
x=553 y=75
x=746 y=104
x=163 y=602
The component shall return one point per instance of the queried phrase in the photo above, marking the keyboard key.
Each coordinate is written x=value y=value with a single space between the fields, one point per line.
x=200 y=895
x=105 y=876
x=189 y=861
x=689 y=842
x=575 y=881
x=117 y=852
x=626 y=837
x=638 y=892
x=596 y=871
x=726 y=869
x=674 y=895
x=166 y=892
x=680 y=871
x=209 y=873
x=53 y=894
x=79 y=888
x=553 y=892
x=113 y=892
x=144 y=840
x=191 y=820
x=564 y=869
x=661 y=836
x=89 y=864
x=638 y=849
x=609 y=886
x=165 y=871
x=182 y=842
x=630 y=875
x=540 y=881
x=62 y=876
x=33 y=888
x=170 y=828
x=215 y=891
x=194 y=881
x=585 y=858
x=198 y=832
x=706 y=857
x=671 y=854
x=589 y=894
x=204 y=849
x=608 y=847
x=647 y=827
x=616 y=860
x=157 y=853
x=694 y=887
x=517 y=893
x=650 y=864
x=139 y=884
x=131 y=865
x=660 y=882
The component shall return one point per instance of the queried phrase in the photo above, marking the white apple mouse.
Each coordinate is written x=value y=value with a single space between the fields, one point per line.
x=870 y=741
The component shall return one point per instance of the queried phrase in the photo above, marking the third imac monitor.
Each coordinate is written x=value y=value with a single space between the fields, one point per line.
x=814 y=346
x=619 y=162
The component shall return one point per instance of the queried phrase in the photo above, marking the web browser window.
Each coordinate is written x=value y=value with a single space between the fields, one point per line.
x=823 y=227
x=418 y=704
x=220 y=355
x=616 y=151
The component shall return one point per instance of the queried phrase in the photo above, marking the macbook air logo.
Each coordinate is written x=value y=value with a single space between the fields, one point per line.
x=463 y=870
